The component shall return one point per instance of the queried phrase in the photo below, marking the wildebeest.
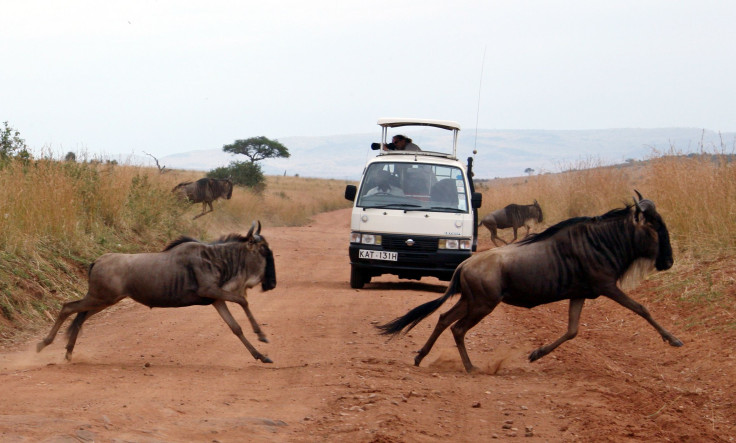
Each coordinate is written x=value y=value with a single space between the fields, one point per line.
x=186 y=273
x=205 y=191
x=512 y=216
x=577 y=259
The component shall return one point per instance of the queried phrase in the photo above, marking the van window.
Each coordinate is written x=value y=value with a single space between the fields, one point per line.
x=413 y=186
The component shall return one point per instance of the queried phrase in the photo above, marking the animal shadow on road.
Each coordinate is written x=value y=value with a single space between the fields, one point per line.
x=501 y=360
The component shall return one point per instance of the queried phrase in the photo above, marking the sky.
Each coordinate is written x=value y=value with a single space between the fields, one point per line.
x=165 y=77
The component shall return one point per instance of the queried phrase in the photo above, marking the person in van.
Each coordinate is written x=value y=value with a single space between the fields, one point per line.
x=383 y=181
x=403 y=143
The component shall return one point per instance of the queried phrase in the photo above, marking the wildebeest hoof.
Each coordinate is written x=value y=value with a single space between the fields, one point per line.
x=262 y=338
x=265 y=359
x=535 y=355
x=40 y=346
x=674 y=341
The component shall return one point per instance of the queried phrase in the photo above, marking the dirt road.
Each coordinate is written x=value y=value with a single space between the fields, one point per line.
x=170 y=375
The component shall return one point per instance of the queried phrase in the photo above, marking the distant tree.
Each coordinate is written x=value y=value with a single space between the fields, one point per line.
x=70 y=157
x=258 y=148
x=11 y=145
x=529 y=171
x=250 y=173
x=161 y=169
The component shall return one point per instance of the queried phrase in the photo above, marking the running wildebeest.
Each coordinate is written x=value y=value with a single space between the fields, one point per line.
x=577 y=259
x=205 y=191
x=512 y=216
x=186 y=273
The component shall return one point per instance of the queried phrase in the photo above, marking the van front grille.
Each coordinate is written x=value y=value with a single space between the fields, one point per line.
x=399 y=243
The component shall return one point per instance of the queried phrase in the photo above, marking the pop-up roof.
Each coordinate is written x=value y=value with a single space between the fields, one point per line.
x=396 y=122
x=386 y=123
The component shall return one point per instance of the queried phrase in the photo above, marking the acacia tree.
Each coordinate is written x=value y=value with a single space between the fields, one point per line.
x=250 y=173
x=258 y=148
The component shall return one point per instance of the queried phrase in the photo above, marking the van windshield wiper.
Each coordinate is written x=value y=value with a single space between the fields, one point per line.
x=394 y=206
x=446 y=209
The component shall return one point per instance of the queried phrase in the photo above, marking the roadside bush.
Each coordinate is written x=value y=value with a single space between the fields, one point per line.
x=242 y=173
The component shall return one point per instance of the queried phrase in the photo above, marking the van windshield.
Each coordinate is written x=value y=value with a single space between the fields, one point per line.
x=413 y=186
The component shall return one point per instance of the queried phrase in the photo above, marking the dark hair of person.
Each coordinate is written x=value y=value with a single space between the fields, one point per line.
x=402 y=137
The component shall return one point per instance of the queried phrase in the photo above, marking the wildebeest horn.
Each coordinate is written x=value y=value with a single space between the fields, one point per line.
x=252 y=228
x=258 y=231
x=638 y=194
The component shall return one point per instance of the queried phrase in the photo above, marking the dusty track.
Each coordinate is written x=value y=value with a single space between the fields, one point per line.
x=180 y=375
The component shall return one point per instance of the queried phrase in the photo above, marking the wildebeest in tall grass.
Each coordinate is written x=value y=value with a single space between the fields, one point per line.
x=581 y=258
x=205 y=191
x=186 y=273
x=512 y=216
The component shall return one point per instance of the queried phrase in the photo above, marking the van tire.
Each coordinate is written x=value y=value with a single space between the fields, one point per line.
x=357 y=278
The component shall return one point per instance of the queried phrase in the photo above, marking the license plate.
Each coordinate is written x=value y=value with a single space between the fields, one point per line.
x=378 y=255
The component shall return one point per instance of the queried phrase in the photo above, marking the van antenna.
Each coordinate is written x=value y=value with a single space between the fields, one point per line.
x=477 y=112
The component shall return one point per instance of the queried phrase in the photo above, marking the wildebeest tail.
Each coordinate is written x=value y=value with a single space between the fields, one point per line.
x=416 y=315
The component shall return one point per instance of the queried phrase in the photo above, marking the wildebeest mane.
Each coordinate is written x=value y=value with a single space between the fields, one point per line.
x=178 y=241
x=552 y=230
x=234 y=237
x=518 y=214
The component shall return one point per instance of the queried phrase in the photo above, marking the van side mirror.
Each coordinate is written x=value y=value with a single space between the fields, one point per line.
x=375 y=146
x=476 y=200
x=350 y=191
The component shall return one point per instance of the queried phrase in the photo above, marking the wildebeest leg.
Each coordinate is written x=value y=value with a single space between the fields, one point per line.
x=528 y=229
x=515 y=233
x=624 y=300
x=204 y=211
x=576 y=306
x=74 y=328
x=494 y=236
x=237 y=330
x=256 y=327
x=459 y=329
x=243 y=302
x=85 y=304
x=254 y=323
x=446 y=319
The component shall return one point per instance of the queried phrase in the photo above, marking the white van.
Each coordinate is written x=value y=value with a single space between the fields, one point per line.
x=415 y=212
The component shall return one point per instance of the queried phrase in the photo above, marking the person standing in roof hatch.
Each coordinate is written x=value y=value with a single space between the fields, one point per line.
x=404 y=143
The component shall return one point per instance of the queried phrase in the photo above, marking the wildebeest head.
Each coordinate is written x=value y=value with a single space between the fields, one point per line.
x=261 y=245
x=228 y=186
x=647 y=217
x=540 y=218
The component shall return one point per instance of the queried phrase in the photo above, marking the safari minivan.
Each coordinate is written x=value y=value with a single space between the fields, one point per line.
x=414 y=211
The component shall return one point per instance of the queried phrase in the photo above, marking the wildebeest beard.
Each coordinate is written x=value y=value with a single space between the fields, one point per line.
x=269 y=277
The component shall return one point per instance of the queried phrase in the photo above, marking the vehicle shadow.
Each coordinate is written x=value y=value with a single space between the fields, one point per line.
x=406 y=286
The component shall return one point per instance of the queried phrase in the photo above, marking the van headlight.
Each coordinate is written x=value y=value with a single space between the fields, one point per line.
x=366 y=239
x=455 y=243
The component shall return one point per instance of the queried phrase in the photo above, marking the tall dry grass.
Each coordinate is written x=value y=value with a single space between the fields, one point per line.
x=697 y=194
x=73 y=204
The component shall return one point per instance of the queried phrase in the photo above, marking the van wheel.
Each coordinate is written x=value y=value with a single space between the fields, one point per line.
x=358 y=278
